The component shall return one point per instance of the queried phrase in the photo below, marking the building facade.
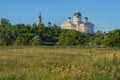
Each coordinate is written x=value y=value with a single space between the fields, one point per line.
x=78 y=25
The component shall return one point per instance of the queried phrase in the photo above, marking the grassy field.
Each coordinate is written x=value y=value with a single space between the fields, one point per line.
x=59 y=63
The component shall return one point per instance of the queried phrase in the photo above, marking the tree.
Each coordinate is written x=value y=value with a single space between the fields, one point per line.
x=70 y=38
x=99 y=38
x=112 y=38
x=36 y=41
x=19 y=41
x=7 y=37
x=4 y=21
x=5 y=24
x=88 y=39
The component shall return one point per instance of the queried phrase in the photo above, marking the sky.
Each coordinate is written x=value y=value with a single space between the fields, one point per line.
x=104 y=14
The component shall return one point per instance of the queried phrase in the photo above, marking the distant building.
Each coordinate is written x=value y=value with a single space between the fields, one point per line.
x=78 y=25
x=39 y=20
x=49 y=24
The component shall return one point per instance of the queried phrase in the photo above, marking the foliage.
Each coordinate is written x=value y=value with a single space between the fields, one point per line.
x=21 y=34
x=99 y=38
x=7 y=36
x=112 y=38
x=36 y=40
x=70 y=38
x=4 y=21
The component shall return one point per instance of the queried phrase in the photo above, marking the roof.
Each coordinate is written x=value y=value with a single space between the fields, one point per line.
x=67 y=23
x=88 y=23
x=69 y=17
x=77 y=14
x=49 y=22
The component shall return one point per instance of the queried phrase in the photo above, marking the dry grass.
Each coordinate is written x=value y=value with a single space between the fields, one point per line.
x=59 y=63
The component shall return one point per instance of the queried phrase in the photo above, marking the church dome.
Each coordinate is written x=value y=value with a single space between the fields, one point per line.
x=49 y=22
x=77 y=14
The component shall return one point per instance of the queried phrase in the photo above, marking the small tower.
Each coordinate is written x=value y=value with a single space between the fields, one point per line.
x=39 y=20
x=85 y=19
x=69 y=19
x=49 y=24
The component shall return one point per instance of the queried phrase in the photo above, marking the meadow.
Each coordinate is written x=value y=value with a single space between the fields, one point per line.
x=59 y=63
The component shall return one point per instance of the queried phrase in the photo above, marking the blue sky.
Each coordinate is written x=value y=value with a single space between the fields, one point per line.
x=105 y=14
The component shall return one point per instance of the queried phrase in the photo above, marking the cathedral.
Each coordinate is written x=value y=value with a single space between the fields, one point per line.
x=78 y=25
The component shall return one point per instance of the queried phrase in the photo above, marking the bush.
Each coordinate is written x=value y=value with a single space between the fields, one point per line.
x=70 y=38
x=36 y=41
x=112 y=38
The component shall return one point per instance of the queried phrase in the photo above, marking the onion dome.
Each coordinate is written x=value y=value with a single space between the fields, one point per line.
x=49 y=22
x=86 y=18
x=69 y=17
x=77 y=14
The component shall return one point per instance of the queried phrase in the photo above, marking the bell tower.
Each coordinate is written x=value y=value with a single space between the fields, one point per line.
x=39 y=20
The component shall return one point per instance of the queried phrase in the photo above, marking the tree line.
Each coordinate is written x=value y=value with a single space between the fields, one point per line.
x=21 y=34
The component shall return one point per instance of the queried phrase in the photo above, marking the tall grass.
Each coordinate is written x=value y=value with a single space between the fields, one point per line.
x=59 y=63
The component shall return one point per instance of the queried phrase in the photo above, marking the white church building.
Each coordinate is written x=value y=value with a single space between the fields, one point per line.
x=78 y=25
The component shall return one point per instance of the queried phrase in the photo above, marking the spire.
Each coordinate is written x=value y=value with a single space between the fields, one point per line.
x=39 y=13
x=78 y=11
x=39 y=20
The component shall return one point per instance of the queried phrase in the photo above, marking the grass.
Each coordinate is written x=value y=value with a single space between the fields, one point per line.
x=59 y=63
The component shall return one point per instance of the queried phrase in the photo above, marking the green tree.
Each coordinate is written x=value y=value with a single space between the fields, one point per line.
x=36 y=41
x=88 y=39
x=112 y=38
x=7 y=37
x=5 y=25
x=4 y=21
x=70 y=38
x=99 y=38
x=19 y=41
